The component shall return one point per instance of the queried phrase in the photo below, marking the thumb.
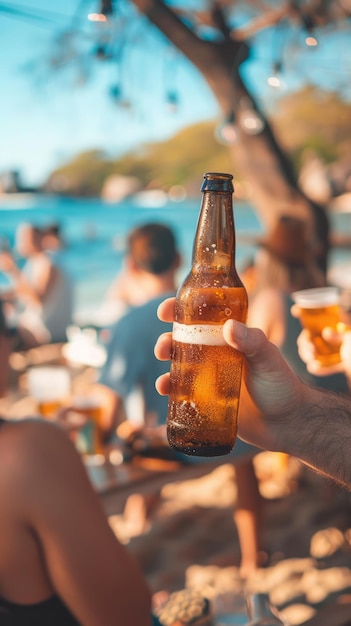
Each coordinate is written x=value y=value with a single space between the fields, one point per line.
x=260 y=353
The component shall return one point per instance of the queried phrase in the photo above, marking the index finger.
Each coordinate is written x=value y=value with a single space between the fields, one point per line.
x=295 y=310
x=165 y=311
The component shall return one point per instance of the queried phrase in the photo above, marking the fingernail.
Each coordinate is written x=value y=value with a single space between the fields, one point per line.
x=237 y=328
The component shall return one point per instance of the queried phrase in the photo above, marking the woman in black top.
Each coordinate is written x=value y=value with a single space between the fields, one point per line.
x=60 y=563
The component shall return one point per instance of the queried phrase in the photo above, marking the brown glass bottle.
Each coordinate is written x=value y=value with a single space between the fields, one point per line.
x=205 y=372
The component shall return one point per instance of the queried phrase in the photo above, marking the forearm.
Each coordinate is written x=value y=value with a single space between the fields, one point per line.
x=321 y=435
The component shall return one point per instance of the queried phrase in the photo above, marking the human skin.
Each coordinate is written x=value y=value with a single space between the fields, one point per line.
x=277 y=410
x=55 y=537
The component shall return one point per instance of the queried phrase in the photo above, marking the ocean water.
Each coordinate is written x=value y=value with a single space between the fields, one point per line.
x=95 y=232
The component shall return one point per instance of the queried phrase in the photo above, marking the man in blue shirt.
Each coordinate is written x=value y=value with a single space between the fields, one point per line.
x=131 y=367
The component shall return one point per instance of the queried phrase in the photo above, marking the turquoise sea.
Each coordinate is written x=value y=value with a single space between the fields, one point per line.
x=94 y=234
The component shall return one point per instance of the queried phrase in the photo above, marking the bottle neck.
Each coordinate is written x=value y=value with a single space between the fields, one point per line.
x=214 y=244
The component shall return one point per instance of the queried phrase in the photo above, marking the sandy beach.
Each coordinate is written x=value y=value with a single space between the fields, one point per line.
x=190 y=539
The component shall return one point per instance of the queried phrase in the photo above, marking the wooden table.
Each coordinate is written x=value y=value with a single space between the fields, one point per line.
x=114 y=483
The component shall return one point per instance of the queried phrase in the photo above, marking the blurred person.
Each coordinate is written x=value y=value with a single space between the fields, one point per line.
x=285 y=262
x=278 y=411
x=133 y=287
x=131 y=369
x=61 y=564
x=53 y=243
x=42 y=292
x=52 y=237
x=130 y=365
x=5 y=351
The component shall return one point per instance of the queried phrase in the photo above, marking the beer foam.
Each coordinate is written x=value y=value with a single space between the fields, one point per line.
x=199 y=334
x=316 y=298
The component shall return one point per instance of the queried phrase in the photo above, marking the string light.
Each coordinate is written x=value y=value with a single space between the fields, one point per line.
x=97 y=17
x=106 y=10
x=309 y=26
x=105 y=26
x=250 y=120
x=311 y=41
x=226 y=132
x=274 y=80
x=172 y=101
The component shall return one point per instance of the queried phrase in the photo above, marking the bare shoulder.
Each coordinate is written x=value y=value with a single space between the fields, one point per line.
x=31 y=434
x=31 y=447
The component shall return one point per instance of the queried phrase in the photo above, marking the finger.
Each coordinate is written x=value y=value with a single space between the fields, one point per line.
x=251 y=341
x=295 y=311
x=165 y=311
x=314 y=367
x=162 y=384
x=330 y=334
x=162 y=349
x=306 y=348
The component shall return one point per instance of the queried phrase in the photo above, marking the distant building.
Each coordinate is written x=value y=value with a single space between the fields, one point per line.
x=10 y=182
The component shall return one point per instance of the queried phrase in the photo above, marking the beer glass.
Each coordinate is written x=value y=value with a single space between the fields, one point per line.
x=50 y=386
x=320 y=307
x=88 y=439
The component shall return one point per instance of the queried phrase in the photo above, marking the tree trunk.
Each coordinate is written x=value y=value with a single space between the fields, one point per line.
x=274 y=189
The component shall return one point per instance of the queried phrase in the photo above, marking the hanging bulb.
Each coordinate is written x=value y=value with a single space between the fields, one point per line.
x=311 y=41
x=106 y=10
x=227 y=132
x=309 y=26
x=252 y=123
x=250 y=120
x=172 y=101
x=274 y=79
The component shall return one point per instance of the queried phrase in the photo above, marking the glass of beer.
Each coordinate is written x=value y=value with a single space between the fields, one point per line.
x=50 y=386
x=89 y=437
x=319 y=308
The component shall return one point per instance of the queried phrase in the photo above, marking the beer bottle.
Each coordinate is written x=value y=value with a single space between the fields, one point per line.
x=205 y=373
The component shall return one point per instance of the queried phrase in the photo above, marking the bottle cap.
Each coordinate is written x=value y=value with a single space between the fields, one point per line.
x=216 y=181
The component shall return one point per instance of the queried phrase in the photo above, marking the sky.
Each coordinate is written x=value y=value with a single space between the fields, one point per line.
x=47 y=117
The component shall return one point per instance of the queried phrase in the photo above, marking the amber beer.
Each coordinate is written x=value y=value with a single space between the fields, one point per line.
x=205 y=372
x=49 y=408
x=319 y=308
x=89 y=437
x=50 y=388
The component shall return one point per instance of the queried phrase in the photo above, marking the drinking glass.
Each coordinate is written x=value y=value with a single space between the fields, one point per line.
x=319 y=308
x=50 y=386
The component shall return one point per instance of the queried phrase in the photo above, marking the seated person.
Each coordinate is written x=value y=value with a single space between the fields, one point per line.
x=5 y=350
x=41 y=294
x=61 y=564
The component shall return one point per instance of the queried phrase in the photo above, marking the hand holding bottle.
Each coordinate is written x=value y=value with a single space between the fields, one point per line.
x=278 y=411
x=271 y=394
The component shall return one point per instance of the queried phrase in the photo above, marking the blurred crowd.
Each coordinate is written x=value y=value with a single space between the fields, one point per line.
x=38 y=309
